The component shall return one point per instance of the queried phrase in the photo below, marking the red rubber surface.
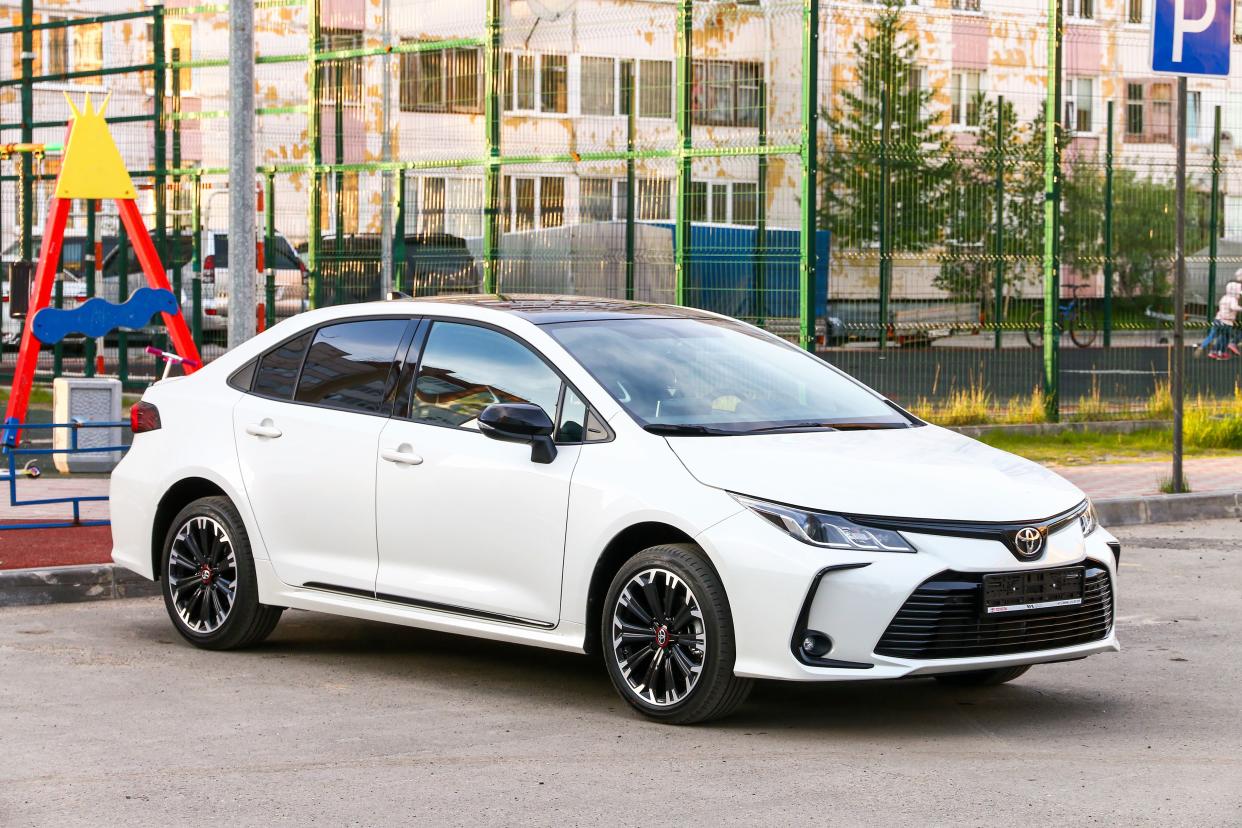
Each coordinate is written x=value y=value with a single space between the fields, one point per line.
x=25 y=548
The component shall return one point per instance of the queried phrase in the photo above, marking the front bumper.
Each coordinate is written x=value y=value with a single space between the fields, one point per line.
x=779 y=587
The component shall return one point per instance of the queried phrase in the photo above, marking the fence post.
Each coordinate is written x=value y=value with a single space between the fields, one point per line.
x=1214 y=216
x=685 y=87
x=998 y=307
x=810 y=167
x=398 y=237
x=1052 y=217
x=160 y=172
x=338 y=177
x=314 y=134
x=269 y=241
x=1108 y=232
x=491 y=172
x=882 y=340
x=122 y=290
x=58 y=302
x=88 y=275
x=196 y=296
x=631 y=123
x=26 y=159
x=761 y=212
x=178 y=199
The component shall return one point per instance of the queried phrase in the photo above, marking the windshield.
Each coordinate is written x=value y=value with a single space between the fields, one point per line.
x=718 y=377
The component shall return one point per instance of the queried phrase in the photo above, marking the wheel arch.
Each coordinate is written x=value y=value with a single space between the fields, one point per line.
x=179 y=495
x=623 y=546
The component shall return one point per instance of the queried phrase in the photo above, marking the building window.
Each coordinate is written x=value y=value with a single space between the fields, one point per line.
x=551 y=201
x=444 y=80
x=724 y=202
x=1161 y=111
x=88 y=50
x=1134 y=11
x=745 y=203
x=655 y=88
x=726 y=93
x=1079 y=98
x=599 y=86
x=348 y=207
x=654 y=202
x=1194 y=114
x=1134 y=109
x=536 y=83
x=1080 y=9
x=965 y=89
x=595 y=200
x=57 y=48
x=345 y=73
x=532 y=203
x=445 y=205
x=966 y=5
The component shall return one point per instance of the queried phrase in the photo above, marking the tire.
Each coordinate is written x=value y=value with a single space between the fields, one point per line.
x=982 y=678
x=674 y=579
x=207 y=549
x=1082 y=329
x=1035 y=329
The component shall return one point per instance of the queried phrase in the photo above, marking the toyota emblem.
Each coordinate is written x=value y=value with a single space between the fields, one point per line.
x=1029 y=541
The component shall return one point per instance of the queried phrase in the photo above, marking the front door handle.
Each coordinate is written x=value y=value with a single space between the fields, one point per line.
x=264 y=429
x=402 y=455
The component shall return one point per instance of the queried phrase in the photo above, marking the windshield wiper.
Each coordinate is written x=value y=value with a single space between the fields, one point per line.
x=794 y=427
x=685 y=430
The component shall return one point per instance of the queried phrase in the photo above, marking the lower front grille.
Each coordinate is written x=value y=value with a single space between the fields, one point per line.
x=943 y=619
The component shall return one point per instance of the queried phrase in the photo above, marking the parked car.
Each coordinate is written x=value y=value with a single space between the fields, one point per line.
x=290 y=278
x=434 y=264
x=697 y=499
x=72 y=259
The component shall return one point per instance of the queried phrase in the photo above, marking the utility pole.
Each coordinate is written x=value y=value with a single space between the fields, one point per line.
x=386 y=177
x=1177 y=367
x=242 y=230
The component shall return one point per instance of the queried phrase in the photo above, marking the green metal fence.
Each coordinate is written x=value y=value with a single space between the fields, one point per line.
x=844 y=176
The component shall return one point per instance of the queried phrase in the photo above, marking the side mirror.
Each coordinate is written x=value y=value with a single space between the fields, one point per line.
x=521 y=423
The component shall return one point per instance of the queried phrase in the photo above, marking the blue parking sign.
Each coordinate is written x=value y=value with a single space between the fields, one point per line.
x=1191 y=37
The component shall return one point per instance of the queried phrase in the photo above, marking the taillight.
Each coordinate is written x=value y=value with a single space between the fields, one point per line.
x=143 y=416
x=209 y=267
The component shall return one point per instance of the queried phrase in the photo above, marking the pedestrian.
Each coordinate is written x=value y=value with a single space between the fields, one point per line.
x=1223 y=345
x=1214 y=330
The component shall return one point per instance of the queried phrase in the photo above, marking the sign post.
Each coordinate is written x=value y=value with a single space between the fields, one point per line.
x=1188 y=37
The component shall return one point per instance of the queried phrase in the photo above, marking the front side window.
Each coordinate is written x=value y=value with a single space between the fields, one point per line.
x=466 y=368
x=717 y=375
x=350 y=365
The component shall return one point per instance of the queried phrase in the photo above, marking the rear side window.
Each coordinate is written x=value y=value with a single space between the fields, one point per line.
x=280 y=255
x=351 y=365
x=278 y=369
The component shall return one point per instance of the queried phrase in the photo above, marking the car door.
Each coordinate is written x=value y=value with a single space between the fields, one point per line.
x=465 y=522
x=306 y=439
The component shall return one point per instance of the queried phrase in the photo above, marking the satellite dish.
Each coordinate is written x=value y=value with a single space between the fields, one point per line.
x=550 y=9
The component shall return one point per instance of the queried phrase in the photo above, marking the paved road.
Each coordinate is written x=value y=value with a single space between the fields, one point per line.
x=107 y=718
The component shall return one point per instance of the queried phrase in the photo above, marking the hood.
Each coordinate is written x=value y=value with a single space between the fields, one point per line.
x=924 y=472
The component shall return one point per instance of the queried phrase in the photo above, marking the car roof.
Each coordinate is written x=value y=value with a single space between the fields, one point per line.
x=550 y=309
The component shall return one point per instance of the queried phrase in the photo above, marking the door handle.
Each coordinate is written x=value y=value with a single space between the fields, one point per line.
x=402 y=455
x=264 y=429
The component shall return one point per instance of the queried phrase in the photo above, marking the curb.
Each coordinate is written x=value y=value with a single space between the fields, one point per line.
x=1100 y=426
x=70 y=584
x=1171 y=508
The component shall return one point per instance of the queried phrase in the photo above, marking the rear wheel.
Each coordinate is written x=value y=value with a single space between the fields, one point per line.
x=1035 y=329
x=983 y=678
x=1082 y=329
x=668 y=637
x=209 y=584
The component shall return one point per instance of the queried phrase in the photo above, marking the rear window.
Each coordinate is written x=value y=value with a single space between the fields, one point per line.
x=280 y=256
x=278 y=369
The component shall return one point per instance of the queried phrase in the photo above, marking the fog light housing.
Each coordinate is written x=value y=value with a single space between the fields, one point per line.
x=816 y=644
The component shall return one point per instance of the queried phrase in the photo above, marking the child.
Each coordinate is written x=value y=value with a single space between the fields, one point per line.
x=1214 y=330
x=1223 y=346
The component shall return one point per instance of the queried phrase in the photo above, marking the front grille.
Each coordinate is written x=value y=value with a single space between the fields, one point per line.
x=943 y=619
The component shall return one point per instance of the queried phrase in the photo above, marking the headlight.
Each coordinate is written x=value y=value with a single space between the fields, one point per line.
x=828 y=530
x=1087 y=519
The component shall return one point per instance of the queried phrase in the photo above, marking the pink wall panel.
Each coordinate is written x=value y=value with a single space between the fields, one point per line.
x=1083 y=50
x=354 y=134
x=970 y=42
x=342 y=14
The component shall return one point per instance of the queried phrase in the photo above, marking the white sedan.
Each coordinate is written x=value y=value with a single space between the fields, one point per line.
x=694 y=498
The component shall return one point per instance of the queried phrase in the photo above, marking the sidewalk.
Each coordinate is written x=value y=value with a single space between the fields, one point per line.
x=1204 y=474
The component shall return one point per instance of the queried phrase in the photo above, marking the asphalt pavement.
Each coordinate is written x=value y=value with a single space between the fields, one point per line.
x=107 y=717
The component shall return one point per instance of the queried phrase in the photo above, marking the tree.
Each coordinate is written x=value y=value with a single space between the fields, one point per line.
x=886 y=146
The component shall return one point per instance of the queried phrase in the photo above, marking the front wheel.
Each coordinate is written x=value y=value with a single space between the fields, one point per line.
x=1035 y=329
x=668 y=637
x=983 y=678
x=209 y=584
x=1082 y=329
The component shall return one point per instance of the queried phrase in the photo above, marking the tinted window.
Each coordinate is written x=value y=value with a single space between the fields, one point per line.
x=350 y=365
x=281 y=256
x=573 y=418
x=466 y=368
x=278 y=369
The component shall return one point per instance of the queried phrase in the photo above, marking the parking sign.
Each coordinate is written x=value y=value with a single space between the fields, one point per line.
x=1191 y=37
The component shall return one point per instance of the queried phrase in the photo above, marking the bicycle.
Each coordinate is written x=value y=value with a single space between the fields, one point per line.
x=1073 y=317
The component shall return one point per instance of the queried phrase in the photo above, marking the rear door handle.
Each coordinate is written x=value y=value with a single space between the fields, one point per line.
x=402 y=455
x=264 y=429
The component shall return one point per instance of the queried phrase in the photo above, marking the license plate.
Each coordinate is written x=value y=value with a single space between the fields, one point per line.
x=1034 y=590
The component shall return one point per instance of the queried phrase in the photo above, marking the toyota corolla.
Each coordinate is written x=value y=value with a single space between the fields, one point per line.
x=699 y=501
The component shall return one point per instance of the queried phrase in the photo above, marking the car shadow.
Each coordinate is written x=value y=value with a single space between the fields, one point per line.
x=1049 y=695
